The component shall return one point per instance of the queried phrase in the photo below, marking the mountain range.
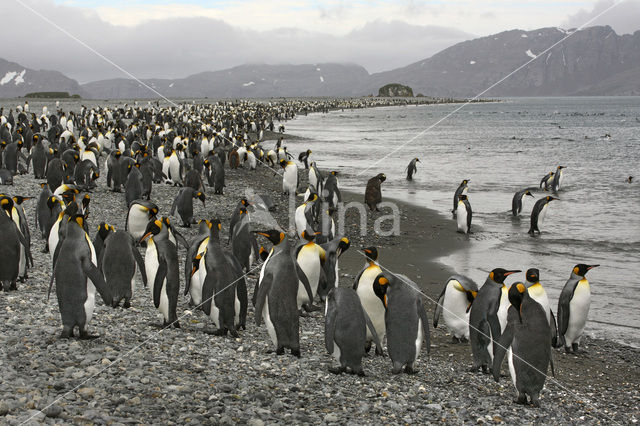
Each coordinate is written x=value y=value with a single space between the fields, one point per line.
x=591 y=61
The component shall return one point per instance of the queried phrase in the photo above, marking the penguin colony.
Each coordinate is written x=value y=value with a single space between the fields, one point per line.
x=188 y=147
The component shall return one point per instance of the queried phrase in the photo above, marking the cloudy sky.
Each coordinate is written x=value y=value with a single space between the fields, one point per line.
x=176 y=38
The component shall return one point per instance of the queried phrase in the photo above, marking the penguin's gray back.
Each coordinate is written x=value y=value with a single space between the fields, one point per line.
x=345 y=327
x=118 y=264
x=133 y=186
x=9 y=249
x=484 y=312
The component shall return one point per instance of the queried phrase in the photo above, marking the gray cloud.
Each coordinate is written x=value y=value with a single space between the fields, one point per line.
x=624 y=18
x=175 y=48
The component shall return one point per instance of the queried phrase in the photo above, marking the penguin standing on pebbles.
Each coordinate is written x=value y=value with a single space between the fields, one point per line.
x=140 y=213
x=289 y=177
x=538 y=294
x=373 y=193
x=184 y=204
x=345 y=330
x=12 y=243
x=370 y=290
x=573 y=307
x=454 y=303
x=117 y=261
x=406 y=322
x=526 y=344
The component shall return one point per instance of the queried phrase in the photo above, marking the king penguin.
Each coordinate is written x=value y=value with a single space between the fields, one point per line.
x=139 y=215
x=573 y=307
x=526 y=344
x=117 y=261
x=464 y=215
x=311 y=258
x=184 y=204
x=484 y=325
x=345 y=330
x=289 y=177
x=518 y=199
x=463 y=188
x=538 y=294
x=161 y=266
x=77 y=278
x=407 y=326
x=333 y=250
x=454 y=304
x=412 y=168
x=538 y=213
x=12 y=242
x=373 y=192
x=556 y=185
x=370 y=291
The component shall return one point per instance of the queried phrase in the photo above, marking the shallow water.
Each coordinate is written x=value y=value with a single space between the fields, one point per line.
x=503 y=147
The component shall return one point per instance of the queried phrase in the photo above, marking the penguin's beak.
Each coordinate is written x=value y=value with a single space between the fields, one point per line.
x=145 y=236
x=506 y=274
x=468 y=308
x=592 y=266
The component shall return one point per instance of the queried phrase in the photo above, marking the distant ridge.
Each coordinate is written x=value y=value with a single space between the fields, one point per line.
x=593 y=61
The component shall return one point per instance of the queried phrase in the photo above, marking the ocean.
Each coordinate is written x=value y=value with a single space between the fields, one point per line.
x=503 y=147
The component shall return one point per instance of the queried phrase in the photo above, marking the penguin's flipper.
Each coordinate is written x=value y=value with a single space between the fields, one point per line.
x=355 y=284
x=553 y=367
x=180 y=238
x=494 y=326
x=138 y=257
x=175 y=203
x=438 y=310
x=554 y=329
x=372 y=329
x=53 y=274
x=96 y=277
x=422 y=314
x=330 y=328
x=265 y=286
x=302 y=277
x=337 y=191
x=504 y=342
x=161 y=274
x=563 y=308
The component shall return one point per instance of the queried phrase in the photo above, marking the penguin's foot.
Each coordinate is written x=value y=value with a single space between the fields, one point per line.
x=567 y=349
x=220 y=332
x=67 y=333
x=295 y=352
x=126 y=304
x=535 y=402
x=311 y=307
x=13 y=286
x=486 y=369
x=303 y=313
x=454 y=339
x=410 y=370
x=337 y=370
x=280 y=350
x=521 y=399
x=175 y=324
x=367 y=347
x=86 y=336
x=379 y=351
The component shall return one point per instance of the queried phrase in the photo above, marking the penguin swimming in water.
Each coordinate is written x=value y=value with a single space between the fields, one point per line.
x=538 y=213
x=556 y=185
x=345 y=330
x=139 y=215
x=454 y=304
x=77 y=278
x=412 y=168
x=117 y=261
x=463 y=188
x=370 y=291
x=406 y=322
x=277 y=292
x=373 y=193
x=538 y=294
x=289 y=177
x=161 y=266
x=526 y=344
x=464 y=215
x=573 y=307
x=546 y=180
x=484 y=325
x=184 y=204
x=518 y=199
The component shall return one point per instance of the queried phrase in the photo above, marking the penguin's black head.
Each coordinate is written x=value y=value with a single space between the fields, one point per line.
x=6 y=203
x=629 y=179
x=195 y=263
x=264 y=253
x=581 y=269
x=309 y=235
x=19 y=199
x=343 y=246
x=52 y=201
x=104 y=230
x=283 y=163
x=371 y=253
x=153 y=228
x=244 y=201
x=86 y=200
x=465 y=182
x=68 y=197
x=533 y=275
x=77 y=218
x=549 y=198
x=313 y=196
x=200 y=196
x=516 y=294
x=335 y=173
x=215 y=226
x=499 y=275
x=381 y=177
x=380 y=286
x=562 y=167
x=462 y=197
x=273 y=235
x=528 y=193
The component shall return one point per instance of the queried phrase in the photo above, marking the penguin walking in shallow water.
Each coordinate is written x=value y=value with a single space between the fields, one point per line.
x=526 y=344
x=373 y=193
x=538 y=294
x=546 y=181
x=518 y=199
x=454 y=304
x=484 y=325
x=370 y=290
x=117 y=261
x=345 y=330
x=161 y=266
x=184 y=204
x=406 y=322
x=77 y=278
x=538 y=214
x=277 y=292
x=464 y=215
x=573 y=307
x=412 y=168
x=556 y=184
x=463 y=188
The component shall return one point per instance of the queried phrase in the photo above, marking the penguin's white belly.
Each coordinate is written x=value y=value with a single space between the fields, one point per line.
x=372 y=304
x=174 y=169
x=151 y=266
x=54 y=238
x=454 y=312
x=560 y=179
x=137 y=223
x=336 y=351
x=542 y=214
x=337 y=275
x=236 y=307
x=512 y=369
x=578 y=312
x=267 y=321
x=310 y=265
x=215 y=314
x=252 y=161
x=503 y=310
x=301 y=220
x=22 y=263
x=197 y=281
x=538 y=294
x=264 y=267
x=313 y=180
x=290 y=179
x=90 y=303
x=419 y=339
x=462 y=218
x=88 y=155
